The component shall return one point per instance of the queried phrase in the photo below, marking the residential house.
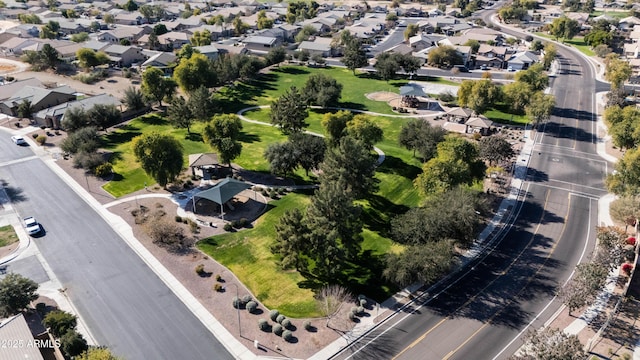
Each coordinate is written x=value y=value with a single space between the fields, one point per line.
x=131 y=33
x=465 y=54
x=522 y=60
x=435 y=12
x=317 y=47
x=130 y=18
x=162 y=60
x=68 y=27
x=14 y=46
x=24 y=31
x=232 y=49
x=320 y=25
x=68 y=52
x=491 y=56
x=7 y=90
x=174 y=40
x=628 y=23
x=631 y=50
x=54 y=116
x=422 y=41
x=95 y=45
x=40 y=98
x=402 y=49
x=261 y=44
x=124 y=56
x=210 y=51
x=15 y=330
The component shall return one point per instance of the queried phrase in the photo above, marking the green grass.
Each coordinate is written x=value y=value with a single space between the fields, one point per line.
x=614 y=14
x=247 y=254
x=500 y=114
x=267 y=88
x=577 y=42
x=8 y=235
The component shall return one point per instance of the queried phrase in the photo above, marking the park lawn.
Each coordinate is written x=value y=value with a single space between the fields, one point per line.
x=247 y=254
x=614 y=14
x=500 y=114
x=129 y=176
x=577 y=42
x=8 y=235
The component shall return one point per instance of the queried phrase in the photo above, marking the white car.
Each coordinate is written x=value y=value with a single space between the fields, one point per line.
x=18 y=140
x=32 y=225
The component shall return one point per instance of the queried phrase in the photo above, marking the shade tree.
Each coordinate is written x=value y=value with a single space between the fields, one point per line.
x=322 y=90
x=351 y=164
x=160 y=155
x=419 y=135
x=495 y=149
x=16 y=292
x=222 y=133
x=289 y=111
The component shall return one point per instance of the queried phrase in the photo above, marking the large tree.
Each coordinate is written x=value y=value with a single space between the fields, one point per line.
x=444 y=56
x=74 y=119
x=626 y=179
x=478 y=95
x=222 y=133
x=97 y=353
x=179 y=114
x=59 y=322
x=201 y=104
x=617 y=71
x=386 y=66
x=289 y=111
x=16 y=292
x=456 y=163
x=133 y=99
x=564 y=27
x=518 y=95
x=354 y=56
x=418 y=135
x=88 y=58
x=540 y=107
x=292 y=238
x=156 y=86
x=160 y=156
x=50 y=56
x=422 y=264
x=322 y=90
x=495 y=149
x=351 y=164
x=282 y=158
x=551 y=344
x=362 y=128
x=534 y=76
x=104 y=115
x=194 y=72
x=310 y=150
x=335 y=124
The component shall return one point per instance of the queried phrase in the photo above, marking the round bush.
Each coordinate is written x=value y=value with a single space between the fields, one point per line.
x=361 y=296
x=178 y=218
x=280 y=318
x=360 y=310
x=246 y=298
x=277 y=329
x=354 y=310
x=103 y=170
x=286 y=323
x=273 y=314
x=252 y=306
x=263 y=324
x=363 y=302
x=287 y=335
x=227 y=227
x=217 y=287
x=352 y=316
x=236 y=302
x=307 y=325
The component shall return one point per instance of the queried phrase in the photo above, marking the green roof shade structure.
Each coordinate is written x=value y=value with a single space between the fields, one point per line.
x=222 y=192
x=412 y=90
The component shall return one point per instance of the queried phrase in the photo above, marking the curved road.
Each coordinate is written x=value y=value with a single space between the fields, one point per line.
x=484 y=313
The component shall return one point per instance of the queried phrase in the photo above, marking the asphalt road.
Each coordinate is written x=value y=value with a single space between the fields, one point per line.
x=485 y=312
x=125 y=305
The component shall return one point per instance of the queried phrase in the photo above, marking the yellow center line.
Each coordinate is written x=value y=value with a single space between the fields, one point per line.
x=529 y=280
x=423 y=336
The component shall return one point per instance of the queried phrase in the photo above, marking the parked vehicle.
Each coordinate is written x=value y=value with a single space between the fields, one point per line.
x=32 y=226
x=18 y=140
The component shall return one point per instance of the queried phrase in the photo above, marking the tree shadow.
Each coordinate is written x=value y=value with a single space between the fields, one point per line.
x=14 y=194
x=397 y=166
x=197 y=137
x=377 y=216
x=122 y=136
x=248 y=138
x=152 y=119
x=378 y=346
x=292 y=70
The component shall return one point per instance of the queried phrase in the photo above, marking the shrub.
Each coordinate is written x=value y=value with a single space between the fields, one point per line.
x=178 y=218
x=631 y=241
x=287 y=335
x=363 y=302
x=72 y=343
x=360 y=310
x=41 y=308
x=235 y=224
x=243 y=222
x=626 y=268
x=168 y=235
x=200 y=269
x=308 y=326
x=59 y=322
x=352 y=316
x=286 y=323
x=41 y=139
x=193 y=226
x=227 y=227
x=87 y=161
x=246 y=298
x=217 y=287
x=218 y=278
x=273 y=314
x=103 y=170
x=251 y=306
x=34 y=135
x=354 y=310
x=280 y=318
x=42 y=127
x=263 y=325
x=476 y=136
x=236 y=302
x=277 y=329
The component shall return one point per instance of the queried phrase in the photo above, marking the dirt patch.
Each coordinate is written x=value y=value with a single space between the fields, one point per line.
x=382 y=96
x=7 y=68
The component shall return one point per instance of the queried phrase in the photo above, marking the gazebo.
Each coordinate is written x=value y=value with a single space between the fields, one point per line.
x=410 y=93
x=221 y=193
